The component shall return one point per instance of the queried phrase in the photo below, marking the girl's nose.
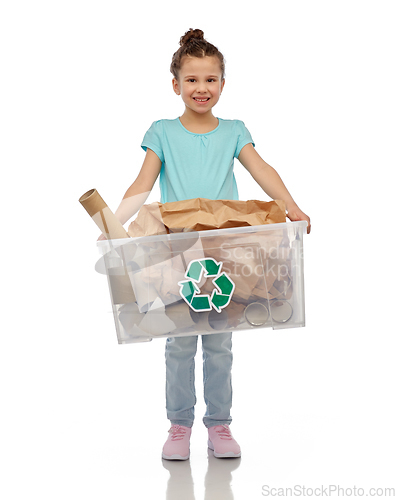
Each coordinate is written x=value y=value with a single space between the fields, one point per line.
x=201 y=87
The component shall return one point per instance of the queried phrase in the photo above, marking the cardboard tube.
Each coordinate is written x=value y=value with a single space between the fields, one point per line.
x=121 y=289
x=145 y=291
x=101 y=214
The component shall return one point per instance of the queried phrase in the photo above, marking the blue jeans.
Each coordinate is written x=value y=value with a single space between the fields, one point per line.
x=180 y=378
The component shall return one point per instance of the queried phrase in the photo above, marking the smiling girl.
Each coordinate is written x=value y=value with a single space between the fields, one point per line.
x=194 y=157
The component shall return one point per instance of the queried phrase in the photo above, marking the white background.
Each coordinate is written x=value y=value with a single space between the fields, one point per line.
x=81 y=81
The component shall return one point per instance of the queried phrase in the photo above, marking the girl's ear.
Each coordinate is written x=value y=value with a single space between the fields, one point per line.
x=222 y=85
x=175 y=86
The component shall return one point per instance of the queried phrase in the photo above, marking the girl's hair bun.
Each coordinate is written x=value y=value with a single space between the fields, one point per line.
x=193 y=44
x=190 y=35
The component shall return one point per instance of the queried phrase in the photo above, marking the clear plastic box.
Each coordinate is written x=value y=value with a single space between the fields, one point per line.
x=198 y=283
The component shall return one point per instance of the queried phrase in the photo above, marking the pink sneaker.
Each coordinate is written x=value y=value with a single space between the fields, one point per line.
x=222 y=443
x=177 y=446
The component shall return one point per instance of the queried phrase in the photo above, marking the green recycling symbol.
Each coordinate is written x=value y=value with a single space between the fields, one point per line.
x=190 y=292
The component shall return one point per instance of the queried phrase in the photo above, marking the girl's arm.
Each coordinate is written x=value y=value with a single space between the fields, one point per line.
x=138 y=192
x=270 y=182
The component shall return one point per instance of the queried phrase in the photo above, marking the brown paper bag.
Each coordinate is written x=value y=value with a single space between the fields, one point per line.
x=200 y=214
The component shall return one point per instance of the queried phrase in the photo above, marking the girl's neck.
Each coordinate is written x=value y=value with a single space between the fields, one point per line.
x=197 y=123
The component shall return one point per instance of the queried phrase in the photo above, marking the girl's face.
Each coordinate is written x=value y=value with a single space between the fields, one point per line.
x=199 y=83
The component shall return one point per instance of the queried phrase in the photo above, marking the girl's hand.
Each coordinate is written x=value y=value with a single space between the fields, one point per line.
x=295 y=214
x=101 y=237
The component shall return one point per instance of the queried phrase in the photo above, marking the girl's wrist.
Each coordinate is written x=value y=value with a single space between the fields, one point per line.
x=290 y=205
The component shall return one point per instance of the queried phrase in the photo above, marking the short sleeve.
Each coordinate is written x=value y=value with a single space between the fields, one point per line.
x=243 y=137
x=152 y=140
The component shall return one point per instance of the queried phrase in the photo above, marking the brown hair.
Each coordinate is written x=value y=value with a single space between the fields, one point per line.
x=193 y=44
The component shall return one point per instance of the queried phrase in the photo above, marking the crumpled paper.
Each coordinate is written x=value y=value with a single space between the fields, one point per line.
x=200 y=214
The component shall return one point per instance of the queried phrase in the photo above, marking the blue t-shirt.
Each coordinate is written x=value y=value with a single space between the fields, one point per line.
x=197 y=165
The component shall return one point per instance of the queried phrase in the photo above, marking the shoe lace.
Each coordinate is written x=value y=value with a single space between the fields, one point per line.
x=178 y=432
x=224 y=432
